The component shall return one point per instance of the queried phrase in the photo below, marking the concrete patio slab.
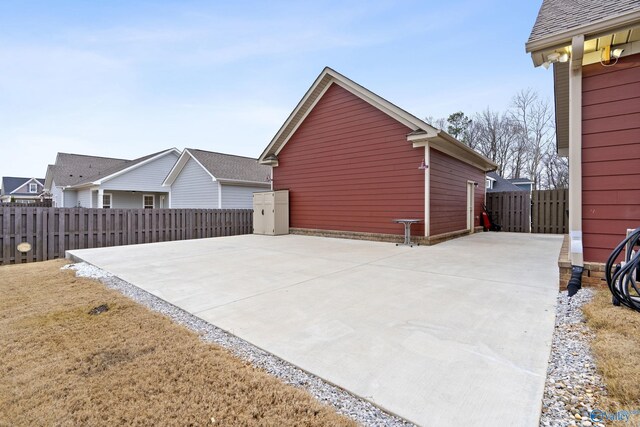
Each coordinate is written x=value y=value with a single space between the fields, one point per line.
x=453 y=334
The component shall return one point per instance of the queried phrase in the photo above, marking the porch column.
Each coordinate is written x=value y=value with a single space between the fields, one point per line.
x=575 y=151
x=100 y=197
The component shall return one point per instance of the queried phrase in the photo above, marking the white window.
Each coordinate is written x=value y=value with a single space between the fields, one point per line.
x=489 y=183
x=106 y=200
x=33 y=187
x=148 y=201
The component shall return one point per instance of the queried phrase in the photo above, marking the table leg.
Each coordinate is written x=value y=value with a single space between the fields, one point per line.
x=407 y=233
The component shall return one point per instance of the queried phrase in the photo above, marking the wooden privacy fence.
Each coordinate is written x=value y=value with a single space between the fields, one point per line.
x=52 y=231
x=545 y=211
x=511 y=210
x=549 y=211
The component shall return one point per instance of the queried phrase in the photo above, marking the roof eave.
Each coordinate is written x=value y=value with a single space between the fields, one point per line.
x=137 y=165
x=449 y=145
x=590 y=31
x=242 y=181
x=280 y=139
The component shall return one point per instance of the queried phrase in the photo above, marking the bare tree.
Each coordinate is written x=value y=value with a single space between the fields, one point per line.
x=520 y=140
x=533 y=124
x=495 y=138
x=440 y=123
x=556 y=170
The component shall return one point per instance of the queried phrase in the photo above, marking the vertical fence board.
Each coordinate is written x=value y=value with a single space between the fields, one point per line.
x=544 y=212
x=550 y=211
x=511 y=210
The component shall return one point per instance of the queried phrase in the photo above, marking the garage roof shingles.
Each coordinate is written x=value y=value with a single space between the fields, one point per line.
x=557 y=16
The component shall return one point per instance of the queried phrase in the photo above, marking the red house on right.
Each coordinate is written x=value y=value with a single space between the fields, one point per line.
x=594 y=49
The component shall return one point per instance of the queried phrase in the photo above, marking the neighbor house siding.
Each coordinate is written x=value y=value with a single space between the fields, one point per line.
x=129 y=200
x=239 y=197
x=148 y=177
x=57 y=196
x=70 y=198
x=194 y=188
x=610 y=155
x=349 y=167
x=125 y=200
x=448 y=195
x=84 y=198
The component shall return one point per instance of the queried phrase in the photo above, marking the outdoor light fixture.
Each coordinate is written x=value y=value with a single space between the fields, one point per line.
x=616 y=53
x=606 y=54
x=269 y=179
x=555 y=57
x=423 y=165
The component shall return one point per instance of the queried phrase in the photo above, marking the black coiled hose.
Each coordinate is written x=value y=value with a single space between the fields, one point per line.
x=623 y=280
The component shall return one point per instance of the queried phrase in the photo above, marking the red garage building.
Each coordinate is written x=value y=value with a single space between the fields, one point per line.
x=353 y=162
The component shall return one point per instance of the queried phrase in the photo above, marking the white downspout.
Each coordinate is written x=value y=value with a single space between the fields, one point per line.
x=427 y=191
x=575 y=151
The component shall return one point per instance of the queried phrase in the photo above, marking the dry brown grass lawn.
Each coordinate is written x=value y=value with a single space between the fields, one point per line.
x=617 y=350
x=127 y=366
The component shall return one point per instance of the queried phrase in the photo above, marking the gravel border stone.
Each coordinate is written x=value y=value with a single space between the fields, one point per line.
x=573 y=387
x=344 y=402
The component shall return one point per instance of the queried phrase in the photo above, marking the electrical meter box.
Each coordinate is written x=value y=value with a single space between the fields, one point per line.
x=271 y=212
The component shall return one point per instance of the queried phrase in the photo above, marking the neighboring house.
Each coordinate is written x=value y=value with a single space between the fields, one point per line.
x=497 y=184
x=99 y=182
x=594 y=47
x=21 y=190
x=523 y=183
x=204 y=179
x=353 y=162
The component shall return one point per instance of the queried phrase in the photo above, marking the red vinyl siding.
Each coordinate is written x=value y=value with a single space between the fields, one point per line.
x=448 y=196
x=610 y=155
x=349 y=167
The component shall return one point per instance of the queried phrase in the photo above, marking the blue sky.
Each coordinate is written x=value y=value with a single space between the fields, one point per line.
x=124 y=79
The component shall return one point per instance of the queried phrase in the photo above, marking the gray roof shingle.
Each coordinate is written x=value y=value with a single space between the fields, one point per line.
x=231 y=167
x=71 y=169
x=557 y=16
x=501 y=184
x=115 y=168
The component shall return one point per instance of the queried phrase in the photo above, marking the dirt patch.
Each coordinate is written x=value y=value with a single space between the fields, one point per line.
x=61 y=365
x=617 y=351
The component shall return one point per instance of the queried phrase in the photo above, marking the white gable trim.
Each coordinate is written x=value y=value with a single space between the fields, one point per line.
x=421 y=131
x=27 y=183
x=180 y=164
x=328 y=77
x=302 y=119
x=137 y=165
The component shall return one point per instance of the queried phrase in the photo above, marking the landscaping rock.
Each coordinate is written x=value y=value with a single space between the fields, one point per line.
x=99 y=309
x=573 y=387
